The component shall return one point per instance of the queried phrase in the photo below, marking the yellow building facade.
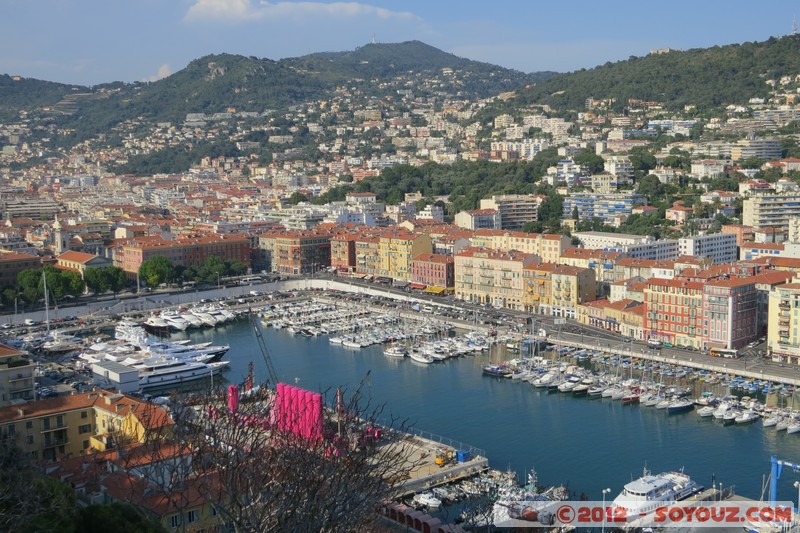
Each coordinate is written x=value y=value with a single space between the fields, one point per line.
x=491 y=277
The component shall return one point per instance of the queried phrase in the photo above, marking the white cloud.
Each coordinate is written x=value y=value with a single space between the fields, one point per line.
x=163 y=72
x=245 y=10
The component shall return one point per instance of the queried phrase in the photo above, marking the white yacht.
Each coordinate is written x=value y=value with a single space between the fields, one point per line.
x=649 y=492
x=204 y=317
x=175 y=321
x=193 y=320
x=169 y=371
x=396 y=351
x=156 y=324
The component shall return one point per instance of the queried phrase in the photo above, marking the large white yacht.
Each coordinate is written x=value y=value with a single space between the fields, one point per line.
x=649 y=492
x=169 y=371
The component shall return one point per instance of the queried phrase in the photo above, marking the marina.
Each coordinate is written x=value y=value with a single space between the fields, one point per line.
x=497 y=393
x=521 y=426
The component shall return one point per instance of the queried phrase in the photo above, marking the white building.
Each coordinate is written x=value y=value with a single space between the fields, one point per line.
x=719 y=247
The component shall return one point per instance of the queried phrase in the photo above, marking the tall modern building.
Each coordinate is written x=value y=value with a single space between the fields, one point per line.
x=770 y=209
x=720 y=247
x=515 y=210
x=764 y=149
x=603 y=206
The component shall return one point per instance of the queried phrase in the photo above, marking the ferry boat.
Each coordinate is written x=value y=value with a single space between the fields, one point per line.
x=649 y=492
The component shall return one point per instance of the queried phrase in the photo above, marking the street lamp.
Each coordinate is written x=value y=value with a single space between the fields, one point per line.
x=604 y=491
x=797 y=486
x=218 y=280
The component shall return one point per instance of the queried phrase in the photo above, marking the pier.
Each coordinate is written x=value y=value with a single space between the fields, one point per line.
x=425 y=474
x=695 y=360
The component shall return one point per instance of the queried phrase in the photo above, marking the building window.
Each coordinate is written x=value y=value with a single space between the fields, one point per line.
x=85 y=428
x=84 y=414
x=191 y=517
x=175 y=521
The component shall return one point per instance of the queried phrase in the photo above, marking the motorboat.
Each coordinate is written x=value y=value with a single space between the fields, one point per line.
x=680 y=406
x=544 y=380
x=499 y=371
x=156 y=324
x=569 y=384
x=650 y=492
x=747 y=417
x=175 y=322
x=395 y=351
x=420 y=357
x=428 y=500
x=770 y=421
x=794 y=427
x=596 y=390
x=706 y=411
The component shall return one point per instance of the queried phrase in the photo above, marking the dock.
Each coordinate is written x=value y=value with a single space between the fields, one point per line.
x=424 y=473
x=695 y=360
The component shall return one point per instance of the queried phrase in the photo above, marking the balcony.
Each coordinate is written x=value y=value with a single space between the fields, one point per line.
x=55 y=428
x=784 y=305
x=51 y=443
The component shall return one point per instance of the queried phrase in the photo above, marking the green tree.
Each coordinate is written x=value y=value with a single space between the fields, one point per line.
x=235 y=268
x=297 y=197
x=95 y=280
x=156 y=270
x=590 y=160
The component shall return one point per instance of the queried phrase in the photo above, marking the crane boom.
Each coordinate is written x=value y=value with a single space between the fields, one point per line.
x=262 y=345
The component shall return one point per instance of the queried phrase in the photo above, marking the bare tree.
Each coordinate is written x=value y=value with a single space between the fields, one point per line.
x=264 y=472
x=28 y=500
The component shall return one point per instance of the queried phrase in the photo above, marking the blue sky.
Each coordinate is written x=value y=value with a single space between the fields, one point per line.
x=95 y=41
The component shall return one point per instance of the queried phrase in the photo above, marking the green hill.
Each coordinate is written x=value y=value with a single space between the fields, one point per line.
x=213 y=83
x=708 y=77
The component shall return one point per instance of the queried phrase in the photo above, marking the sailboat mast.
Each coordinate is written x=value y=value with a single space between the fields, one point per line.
x=46 y=302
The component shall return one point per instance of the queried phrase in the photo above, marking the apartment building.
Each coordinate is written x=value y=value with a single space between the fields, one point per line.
x=183 y=251
x=494 y=277
x=768 y=208
x=743 y=233
x=719 y=247
x=764 y=149
x=478 y=219
x=730 y=312
x=16 y=376
x=673 y=311
x=547 y=247
x=620 y=166
x=302 y=252
x=70 y=426
x=603 y=206
x=433 y=270
x=12 y=263
x=783 y=336
x=571 y=286
x=515 y=210
x=397 y=248
x=537 y=283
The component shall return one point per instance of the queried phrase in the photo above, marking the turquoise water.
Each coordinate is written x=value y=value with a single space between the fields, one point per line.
x=588 y=444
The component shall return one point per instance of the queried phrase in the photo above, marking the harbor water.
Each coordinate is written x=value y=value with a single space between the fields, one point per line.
x=588 y=444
